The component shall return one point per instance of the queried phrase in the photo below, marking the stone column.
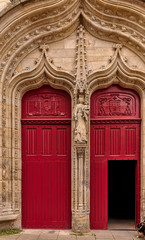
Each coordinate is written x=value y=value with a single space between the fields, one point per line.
x=80 y=214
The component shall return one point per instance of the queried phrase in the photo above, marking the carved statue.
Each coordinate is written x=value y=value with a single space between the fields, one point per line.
x=81 y=116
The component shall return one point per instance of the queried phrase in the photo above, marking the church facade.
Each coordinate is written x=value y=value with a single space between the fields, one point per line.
x=72 y=97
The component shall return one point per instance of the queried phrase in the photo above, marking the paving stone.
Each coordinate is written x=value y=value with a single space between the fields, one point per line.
x=102 y=234
x=50 y=231
x=125 y=238
x=68 y=237
x=25 y=236
x=10 y=237
x=85 y=237
x=65 y=232
x=46 y=236
x=31 y=231
x=101 y=238
x=121 y=235
x=133 y=234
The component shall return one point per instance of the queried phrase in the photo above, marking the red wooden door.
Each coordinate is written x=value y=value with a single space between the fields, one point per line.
x=46 y=165
x=115 y=135
x=98 y=173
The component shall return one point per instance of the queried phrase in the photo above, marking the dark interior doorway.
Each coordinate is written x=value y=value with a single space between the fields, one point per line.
x=121 y=189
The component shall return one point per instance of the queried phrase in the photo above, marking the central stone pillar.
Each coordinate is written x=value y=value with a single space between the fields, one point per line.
x=80 y=142
x=80 y=168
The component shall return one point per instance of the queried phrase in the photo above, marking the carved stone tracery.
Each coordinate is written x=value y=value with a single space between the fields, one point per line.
x=59 y=28
x=81 y=59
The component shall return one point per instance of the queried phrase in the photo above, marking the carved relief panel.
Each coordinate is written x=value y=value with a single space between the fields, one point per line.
x=114 y=103
x=46 y=104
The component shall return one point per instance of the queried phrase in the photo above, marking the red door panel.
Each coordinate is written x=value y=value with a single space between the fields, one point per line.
x=46 y=170
x=99 y=205
x=115 y=135
x=99 y=175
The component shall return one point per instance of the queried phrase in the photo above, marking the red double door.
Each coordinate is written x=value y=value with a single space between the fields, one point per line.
x=46 y=154
x=115 y=135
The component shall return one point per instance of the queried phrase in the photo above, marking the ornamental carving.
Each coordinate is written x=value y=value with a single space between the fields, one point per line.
x=81 y=61
x=115 y=105
x=46 y=122
x=46 y=105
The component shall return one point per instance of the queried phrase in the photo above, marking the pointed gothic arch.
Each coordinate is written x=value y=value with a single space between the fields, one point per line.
x=41 y=23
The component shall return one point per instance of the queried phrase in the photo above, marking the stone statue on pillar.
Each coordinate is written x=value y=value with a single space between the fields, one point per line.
x=81 y=116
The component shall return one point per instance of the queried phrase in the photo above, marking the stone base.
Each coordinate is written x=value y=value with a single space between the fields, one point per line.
x=80 y=223
x=10 y=225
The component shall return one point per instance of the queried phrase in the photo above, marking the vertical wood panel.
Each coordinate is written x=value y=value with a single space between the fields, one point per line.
x=115 y=141
x=61 y=141
x=98 y=183
x=46 y=139
x=130 y=141
x=31 y=141
x=98 y=195
x=99 y=141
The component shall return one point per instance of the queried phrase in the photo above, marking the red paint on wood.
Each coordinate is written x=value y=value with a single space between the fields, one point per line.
x=46 y=165
x=115 y=135
x=46 y=103
x=115 y=103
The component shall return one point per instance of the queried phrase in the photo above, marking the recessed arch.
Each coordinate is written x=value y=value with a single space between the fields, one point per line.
x=43 y=74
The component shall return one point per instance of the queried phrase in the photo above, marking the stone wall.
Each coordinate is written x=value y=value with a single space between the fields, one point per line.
x=71 y=48
x=62 y=54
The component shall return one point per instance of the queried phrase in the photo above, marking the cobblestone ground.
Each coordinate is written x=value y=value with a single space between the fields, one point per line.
x=66 y=234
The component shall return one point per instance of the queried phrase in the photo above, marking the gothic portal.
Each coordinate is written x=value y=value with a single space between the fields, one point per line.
x=72 y=97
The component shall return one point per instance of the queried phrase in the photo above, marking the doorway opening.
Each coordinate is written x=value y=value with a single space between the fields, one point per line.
x=121 y=194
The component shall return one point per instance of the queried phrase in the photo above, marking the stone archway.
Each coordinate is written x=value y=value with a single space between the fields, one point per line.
x=23 y=31
x=18 y=87
x=126 y=80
